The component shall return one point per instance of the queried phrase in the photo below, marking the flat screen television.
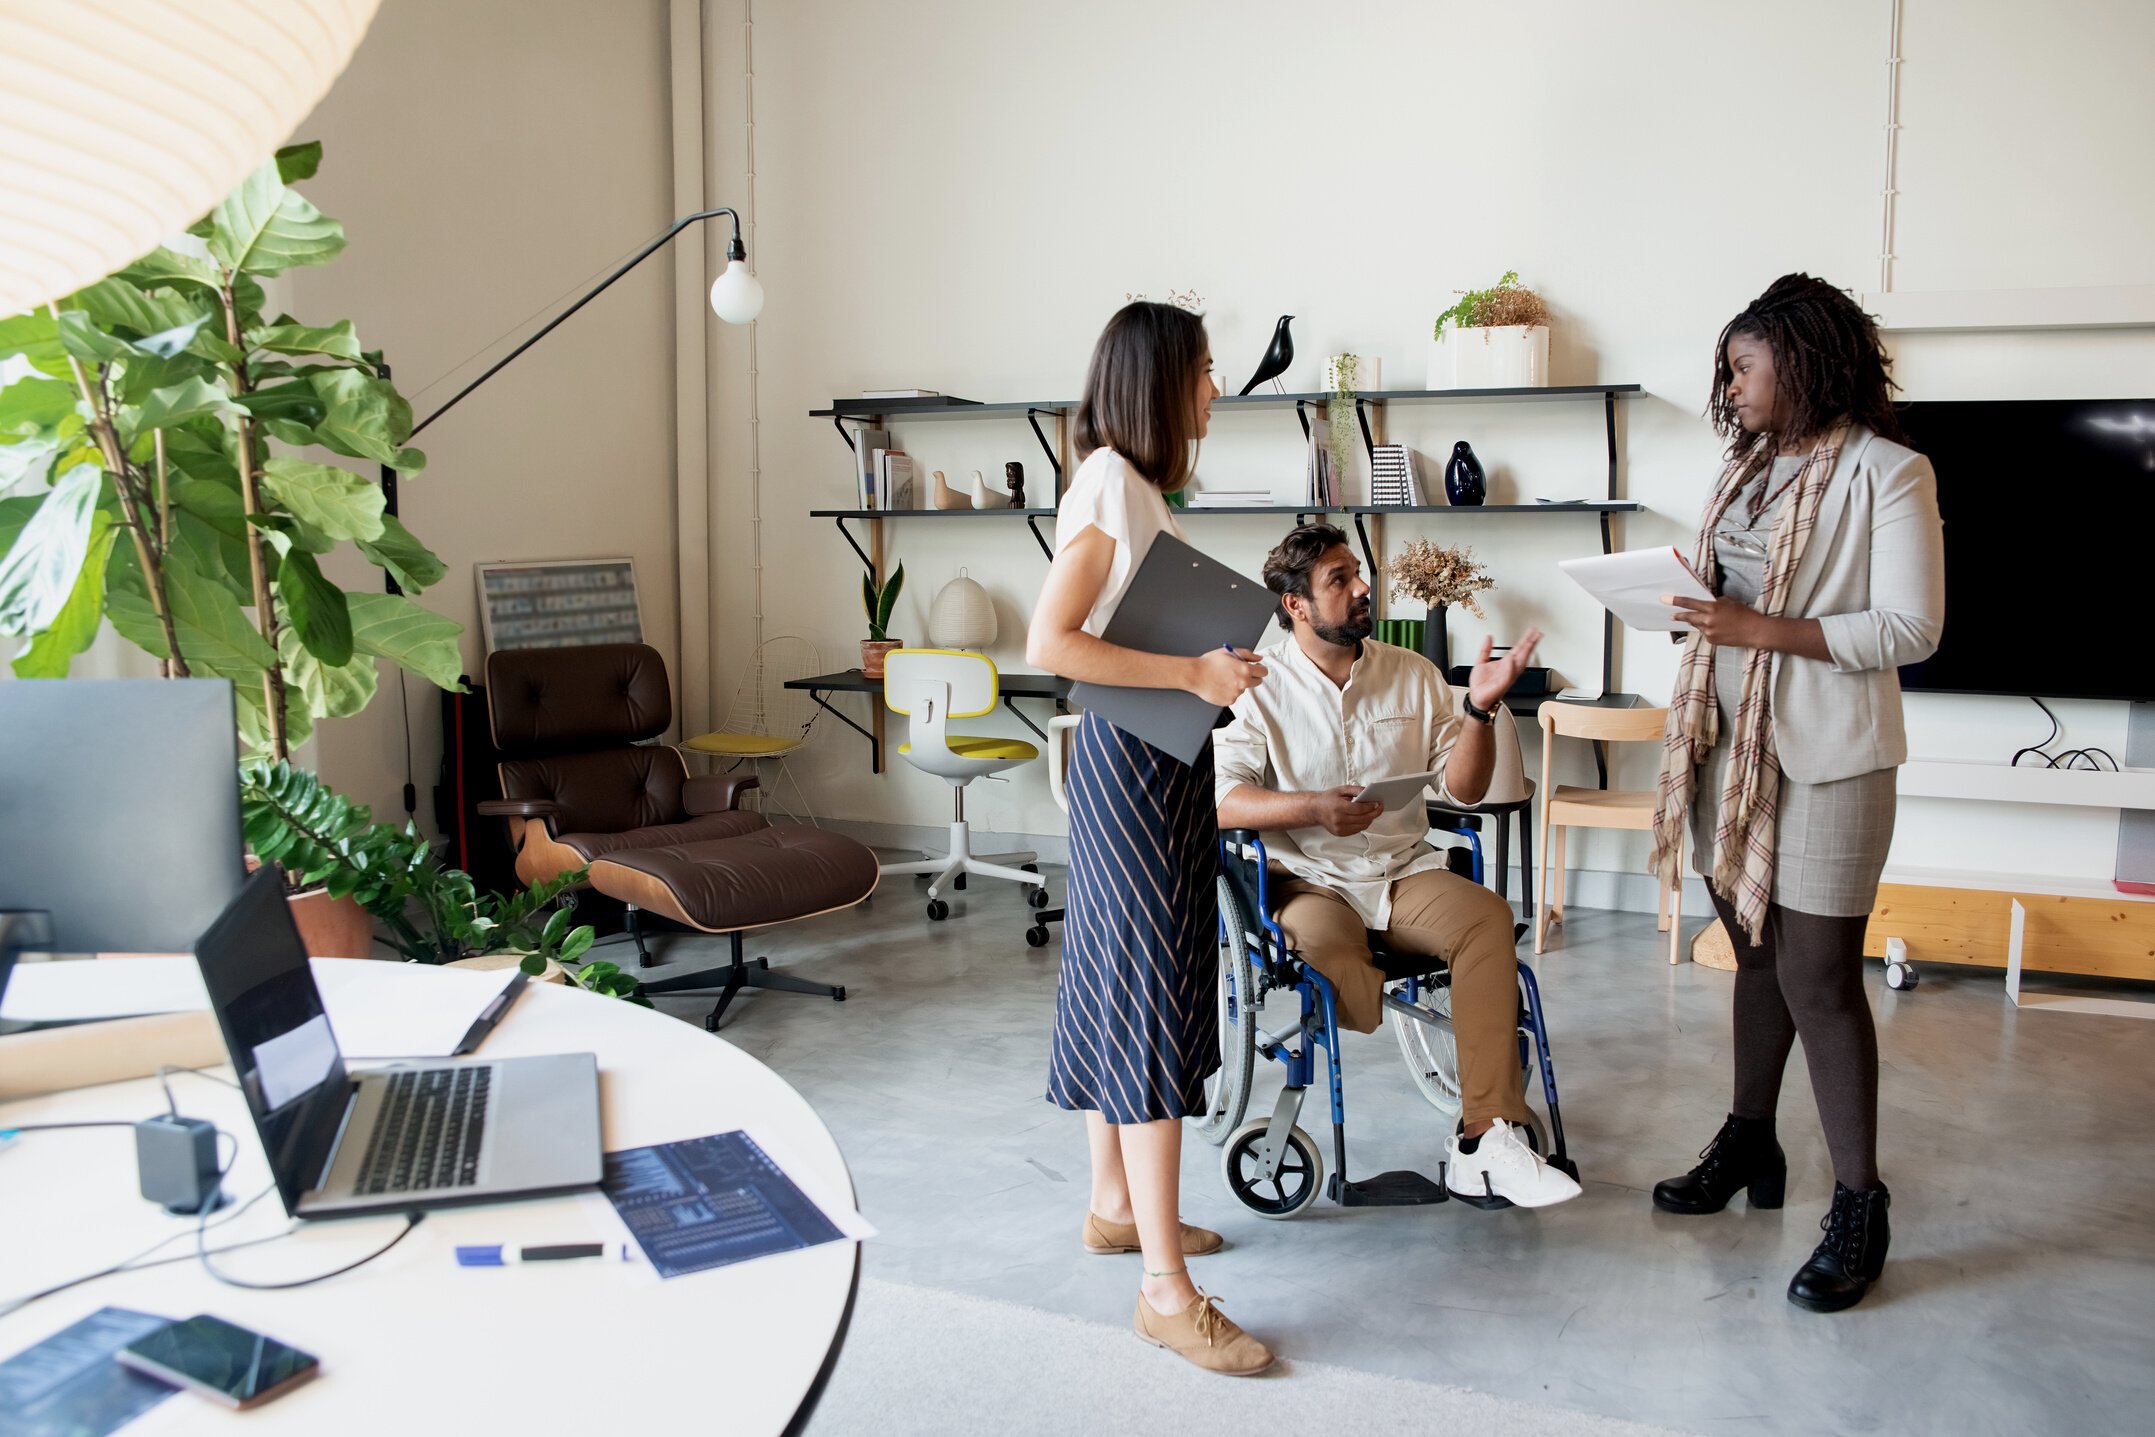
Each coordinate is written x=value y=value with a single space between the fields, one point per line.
x=2049 y=509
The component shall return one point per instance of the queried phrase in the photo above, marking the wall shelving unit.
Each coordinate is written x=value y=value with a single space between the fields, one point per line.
x=1370 y=412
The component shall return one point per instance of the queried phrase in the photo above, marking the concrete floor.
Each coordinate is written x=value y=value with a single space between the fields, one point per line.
x=2019 y=1297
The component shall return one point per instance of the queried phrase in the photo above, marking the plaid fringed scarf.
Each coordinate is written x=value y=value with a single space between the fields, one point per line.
x=1743 y=857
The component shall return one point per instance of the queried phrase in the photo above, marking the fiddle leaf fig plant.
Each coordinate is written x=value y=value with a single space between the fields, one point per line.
x=142 y=483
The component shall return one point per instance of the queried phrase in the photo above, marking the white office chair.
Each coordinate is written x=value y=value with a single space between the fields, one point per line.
x=932 y=687
x=1060 y=729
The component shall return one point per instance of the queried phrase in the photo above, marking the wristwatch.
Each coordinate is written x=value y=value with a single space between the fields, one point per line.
x=1478 y=715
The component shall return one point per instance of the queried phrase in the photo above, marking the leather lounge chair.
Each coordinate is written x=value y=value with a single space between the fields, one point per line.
x=582 y=784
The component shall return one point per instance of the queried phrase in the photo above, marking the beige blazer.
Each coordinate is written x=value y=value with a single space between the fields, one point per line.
x=1873 y=575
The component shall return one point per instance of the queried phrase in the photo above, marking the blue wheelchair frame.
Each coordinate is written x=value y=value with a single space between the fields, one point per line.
x=1318 y=1026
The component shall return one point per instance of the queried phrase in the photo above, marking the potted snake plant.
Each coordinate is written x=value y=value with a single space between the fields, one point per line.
x=877 y=601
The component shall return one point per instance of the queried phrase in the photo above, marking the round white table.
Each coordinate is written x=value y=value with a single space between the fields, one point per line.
x=412 y=1343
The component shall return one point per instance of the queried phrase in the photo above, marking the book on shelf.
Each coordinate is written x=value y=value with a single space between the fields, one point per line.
x=1322 y=489
x=1392 y=479
x=1227 y=494
x=867 y=444
x=894 y=479
x=901 y=394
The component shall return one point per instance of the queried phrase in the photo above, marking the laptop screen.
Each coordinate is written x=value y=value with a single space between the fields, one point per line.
x=263 y=993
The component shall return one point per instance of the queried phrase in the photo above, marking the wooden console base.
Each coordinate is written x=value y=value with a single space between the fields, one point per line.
x=2087 y=932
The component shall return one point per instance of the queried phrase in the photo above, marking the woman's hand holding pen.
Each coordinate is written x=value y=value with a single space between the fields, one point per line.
x=1225 y=674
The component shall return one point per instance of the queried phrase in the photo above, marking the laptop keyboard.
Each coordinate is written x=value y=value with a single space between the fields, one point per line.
x=429 y=1131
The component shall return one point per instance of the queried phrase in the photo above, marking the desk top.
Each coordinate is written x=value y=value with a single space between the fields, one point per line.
x=411 y=1342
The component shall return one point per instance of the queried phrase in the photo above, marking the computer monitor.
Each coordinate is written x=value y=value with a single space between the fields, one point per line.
x=119 y=814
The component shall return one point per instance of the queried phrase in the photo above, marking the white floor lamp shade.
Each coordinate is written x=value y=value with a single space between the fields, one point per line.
x=124 y=121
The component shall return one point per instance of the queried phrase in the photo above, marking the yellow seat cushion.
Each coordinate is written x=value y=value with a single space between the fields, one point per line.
x=966 y=746
x=742 y=745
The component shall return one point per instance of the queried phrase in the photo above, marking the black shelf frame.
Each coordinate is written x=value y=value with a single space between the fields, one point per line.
x=1032 y=518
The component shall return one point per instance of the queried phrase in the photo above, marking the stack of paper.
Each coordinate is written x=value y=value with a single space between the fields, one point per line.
x=1391 y=476
x=1228 y=494
x=1635 y=585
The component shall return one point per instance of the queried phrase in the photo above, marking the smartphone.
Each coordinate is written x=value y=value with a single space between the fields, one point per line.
x=218 y=1359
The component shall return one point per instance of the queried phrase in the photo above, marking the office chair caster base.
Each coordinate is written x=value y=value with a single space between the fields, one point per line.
x=1036 y=937
x=938 y=910
x=959 y=883
x=1038 y=897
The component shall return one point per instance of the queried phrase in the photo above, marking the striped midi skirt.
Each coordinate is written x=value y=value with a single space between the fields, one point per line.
x=1136 y=1023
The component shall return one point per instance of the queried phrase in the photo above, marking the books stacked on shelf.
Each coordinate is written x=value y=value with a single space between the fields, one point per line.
x=894 y=480
x=1322 y=490
x=868 y=447
x=1391 y=476
x=1228 y=494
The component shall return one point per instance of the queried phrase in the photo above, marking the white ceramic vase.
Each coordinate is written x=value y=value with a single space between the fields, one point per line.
x=1508 y=356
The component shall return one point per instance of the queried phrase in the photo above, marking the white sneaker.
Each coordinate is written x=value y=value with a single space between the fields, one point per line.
x=1503 y=1171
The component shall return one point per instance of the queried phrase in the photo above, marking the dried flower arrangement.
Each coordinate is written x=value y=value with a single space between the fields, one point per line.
x=1508 y=302
x=1440 y=576
x=1190 y=300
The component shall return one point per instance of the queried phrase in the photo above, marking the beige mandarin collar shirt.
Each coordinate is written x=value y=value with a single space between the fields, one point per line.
x=1298 y=732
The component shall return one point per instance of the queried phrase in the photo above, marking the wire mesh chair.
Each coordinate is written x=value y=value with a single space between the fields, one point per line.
x=768 y=722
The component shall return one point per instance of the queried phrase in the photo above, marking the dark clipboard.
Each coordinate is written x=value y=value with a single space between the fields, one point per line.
x=1180 y=602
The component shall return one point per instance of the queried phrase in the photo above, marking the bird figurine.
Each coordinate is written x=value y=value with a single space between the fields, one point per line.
x=945 y=497
x=985 y=496
x=1277 y=358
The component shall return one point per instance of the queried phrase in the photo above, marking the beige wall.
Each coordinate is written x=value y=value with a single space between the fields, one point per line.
x=491 y=159
x=956 y=194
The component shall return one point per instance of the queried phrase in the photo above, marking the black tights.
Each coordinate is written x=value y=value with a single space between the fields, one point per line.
x=1806 y=976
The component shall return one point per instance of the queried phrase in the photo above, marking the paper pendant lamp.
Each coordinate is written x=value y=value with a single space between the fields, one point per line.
x=962 y=616
x=125 y=121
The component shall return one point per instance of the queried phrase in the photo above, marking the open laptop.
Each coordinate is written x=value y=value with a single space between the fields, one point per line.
x=396 y=1138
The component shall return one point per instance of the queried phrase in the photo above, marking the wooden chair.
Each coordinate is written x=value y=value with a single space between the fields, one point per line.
x=1563 y=806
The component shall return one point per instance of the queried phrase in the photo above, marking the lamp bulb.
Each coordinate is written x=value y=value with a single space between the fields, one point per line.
x=736 y=295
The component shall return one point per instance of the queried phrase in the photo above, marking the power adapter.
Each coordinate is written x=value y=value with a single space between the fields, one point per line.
x=178 y=1160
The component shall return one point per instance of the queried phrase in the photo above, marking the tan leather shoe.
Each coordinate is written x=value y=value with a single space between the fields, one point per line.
x=1103 y=1236
x=1204 y=1336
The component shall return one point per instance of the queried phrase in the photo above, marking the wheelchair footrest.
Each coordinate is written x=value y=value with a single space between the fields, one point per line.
x=1397 y=1189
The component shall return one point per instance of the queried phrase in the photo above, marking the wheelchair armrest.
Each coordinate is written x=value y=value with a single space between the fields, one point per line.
x=715 y=792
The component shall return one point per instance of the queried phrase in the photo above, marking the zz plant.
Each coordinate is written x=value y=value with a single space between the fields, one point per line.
x=143 y=424
x=432 y=912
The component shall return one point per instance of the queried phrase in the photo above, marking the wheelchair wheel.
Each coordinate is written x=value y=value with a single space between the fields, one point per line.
x=1227 y=1092
x=1294 y=1187
x=1431 y=1050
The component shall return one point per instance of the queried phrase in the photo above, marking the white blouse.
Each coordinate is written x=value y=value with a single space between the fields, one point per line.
x=1108 y=495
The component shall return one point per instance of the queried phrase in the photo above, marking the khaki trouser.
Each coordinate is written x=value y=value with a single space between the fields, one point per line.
x=1441 y=915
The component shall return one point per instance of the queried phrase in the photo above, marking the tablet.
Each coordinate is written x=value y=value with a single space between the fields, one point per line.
x=1397 y=793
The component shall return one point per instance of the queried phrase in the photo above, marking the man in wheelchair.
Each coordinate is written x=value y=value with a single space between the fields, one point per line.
x=1339 y=711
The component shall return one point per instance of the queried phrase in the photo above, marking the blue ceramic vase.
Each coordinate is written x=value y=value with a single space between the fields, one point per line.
x=1464 y=483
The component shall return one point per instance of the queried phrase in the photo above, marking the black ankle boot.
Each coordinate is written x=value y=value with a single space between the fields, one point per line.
x=1851 y=1257
x=1742 y=1155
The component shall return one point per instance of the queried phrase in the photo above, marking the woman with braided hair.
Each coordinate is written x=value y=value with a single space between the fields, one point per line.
x=1823 y=547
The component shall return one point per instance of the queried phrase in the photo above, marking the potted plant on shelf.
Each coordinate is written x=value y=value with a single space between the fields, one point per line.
x=432 y=913
x=1439 y=576
x=1499 y=339
x=1344 y=375
x=877 y=601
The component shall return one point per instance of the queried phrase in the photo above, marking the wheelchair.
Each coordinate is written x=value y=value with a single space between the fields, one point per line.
x=1271 y=1165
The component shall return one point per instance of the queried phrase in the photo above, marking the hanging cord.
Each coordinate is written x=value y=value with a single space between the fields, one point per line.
x=2040 y=749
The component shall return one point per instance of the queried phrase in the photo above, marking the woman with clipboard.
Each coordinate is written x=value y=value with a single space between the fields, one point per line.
x=1823 y=550
x=1135 y=1020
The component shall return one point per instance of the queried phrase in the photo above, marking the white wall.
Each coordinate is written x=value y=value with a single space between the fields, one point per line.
x=491 y=159
x=955 y=194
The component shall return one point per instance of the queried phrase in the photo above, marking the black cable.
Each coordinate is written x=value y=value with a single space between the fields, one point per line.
x=2088 y=757
x=411 y=780
x=2038 y=748
x=411 y=1220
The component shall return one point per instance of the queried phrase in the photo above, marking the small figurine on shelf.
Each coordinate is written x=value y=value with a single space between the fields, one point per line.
x=986 y=498
x=945 y=497
x=1014 y=481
